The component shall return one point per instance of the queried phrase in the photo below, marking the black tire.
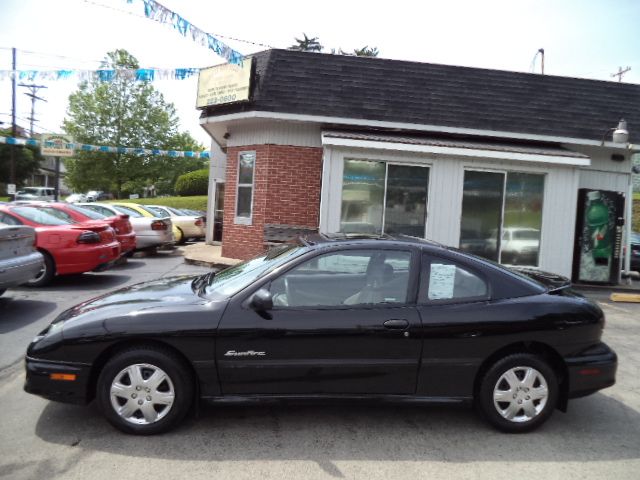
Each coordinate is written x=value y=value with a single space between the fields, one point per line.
x=527 y=410
x=45 y=276
x=181 y=240
x=180 y=383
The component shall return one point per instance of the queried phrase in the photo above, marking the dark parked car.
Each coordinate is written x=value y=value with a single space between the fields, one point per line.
x=380 y=318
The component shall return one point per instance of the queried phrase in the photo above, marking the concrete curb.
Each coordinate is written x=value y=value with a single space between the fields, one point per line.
x=205 y=263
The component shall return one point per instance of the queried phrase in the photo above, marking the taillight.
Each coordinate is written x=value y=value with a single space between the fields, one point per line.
x=89 y=237
x=158 y=225
x=199 y=222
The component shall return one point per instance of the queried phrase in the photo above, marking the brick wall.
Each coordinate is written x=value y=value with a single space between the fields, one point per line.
x=286 y=191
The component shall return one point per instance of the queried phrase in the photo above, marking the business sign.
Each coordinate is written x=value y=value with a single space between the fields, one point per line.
x=222 y=84
x=57 y=145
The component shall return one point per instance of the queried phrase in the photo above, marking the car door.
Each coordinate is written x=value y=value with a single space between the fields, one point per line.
x=342 y=322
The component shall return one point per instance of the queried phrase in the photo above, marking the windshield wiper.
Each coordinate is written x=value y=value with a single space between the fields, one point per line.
x=203 y=281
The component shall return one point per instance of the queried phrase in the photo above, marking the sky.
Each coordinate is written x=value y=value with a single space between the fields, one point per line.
x=581 y=38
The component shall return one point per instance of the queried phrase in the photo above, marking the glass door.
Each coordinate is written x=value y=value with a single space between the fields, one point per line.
x=482 y=204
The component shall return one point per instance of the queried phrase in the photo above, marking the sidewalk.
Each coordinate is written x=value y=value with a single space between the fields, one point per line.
x=207 y=255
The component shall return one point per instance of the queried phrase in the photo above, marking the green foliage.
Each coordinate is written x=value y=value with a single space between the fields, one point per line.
x=636 y=212
x=193 y=183
x=126 y=113
x=307 y=44
x=198 y=202
x=27 y=161
x=366 y=51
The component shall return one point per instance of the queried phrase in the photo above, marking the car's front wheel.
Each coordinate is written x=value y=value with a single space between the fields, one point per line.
x=145 y=390
x=518 y=393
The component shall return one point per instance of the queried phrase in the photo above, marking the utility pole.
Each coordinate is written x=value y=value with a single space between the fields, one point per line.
x=620 y=73
x=12 y=154
x=34 y=90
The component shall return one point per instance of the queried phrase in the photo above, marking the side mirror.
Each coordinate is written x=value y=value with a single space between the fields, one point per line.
x=262 y=301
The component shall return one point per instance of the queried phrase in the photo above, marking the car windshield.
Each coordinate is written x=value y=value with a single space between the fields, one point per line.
x=635 y=237
x=175 y=211
x=233 y=279
x=156 y=211
x=86 y=212
x=526 y=234
x=38 y=215
x=56 y=212
x=128 y=211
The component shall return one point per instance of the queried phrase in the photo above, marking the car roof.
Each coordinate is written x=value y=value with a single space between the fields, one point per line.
x=325 y=239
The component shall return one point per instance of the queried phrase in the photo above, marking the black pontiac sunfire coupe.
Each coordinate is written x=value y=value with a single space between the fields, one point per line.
x=330 y=317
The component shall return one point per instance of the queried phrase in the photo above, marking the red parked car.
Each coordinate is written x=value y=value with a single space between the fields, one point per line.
x=67 y=247
x=74 y=213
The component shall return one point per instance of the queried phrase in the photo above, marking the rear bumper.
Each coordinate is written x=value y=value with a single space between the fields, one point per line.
x=592 y=370
x=16 y=271
x=86 y=258
x=127 y=242
x=38 y=380
x=156 y=239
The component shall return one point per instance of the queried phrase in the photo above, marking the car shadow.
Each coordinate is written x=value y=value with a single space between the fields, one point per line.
x=131 y=264
x=598 y=428
x=82 y=282
x=19 y=312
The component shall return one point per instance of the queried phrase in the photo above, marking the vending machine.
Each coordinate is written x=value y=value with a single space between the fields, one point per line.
x=598 y=242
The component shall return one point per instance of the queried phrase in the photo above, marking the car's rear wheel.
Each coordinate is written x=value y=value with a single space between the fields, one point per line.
x=46 y=273
x=518 y=393
x=145 y=390
x=180 y=238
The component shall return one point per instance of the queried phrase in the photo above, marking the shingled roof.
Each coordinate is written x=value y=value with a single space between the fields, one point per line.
x=441 y=95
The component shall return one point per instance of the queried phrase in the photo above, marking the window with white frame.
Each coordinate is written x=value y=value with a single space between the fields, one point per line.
x=244 y=191
x=383 y=197
x=502 y=216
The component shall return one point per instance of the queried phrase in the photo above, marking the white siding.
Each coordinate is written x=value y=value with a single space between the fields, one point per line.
x=444 y=204
x=262 y=132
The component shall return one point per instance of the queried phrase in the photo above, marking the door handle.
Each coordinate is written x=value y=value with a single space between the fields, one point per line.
x=396 y=324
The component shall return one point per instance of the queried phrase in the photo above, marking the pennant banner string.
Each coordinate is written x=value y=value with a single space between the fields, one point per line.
x=102 y=75
x=154 y=11
x=109 y=149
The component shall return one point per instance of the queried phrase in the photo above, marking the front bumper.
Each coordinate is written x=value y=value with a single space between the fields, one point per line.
x=592 y=370
x=38 y=380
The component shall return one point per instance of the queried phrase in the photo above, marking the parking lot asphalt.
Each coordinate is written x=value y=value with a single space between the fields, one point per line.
x=598 y=438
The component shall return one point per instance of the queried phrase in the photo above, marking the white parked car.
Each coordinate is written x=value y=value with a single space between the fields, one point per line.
x=150 y=232
x=19 y=259
x=76 y=197
x=187 y=226
x=36 y=193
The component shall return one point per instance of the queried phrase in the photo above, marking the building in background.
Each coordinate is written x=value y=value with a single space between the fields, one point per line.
x=510 y=166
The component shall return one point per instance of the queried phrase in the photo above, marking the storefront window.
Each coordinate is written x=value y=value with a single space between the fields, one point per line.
x=378 y=197
x=246 y=166
x=406 y=200
x=362 y=196
x=502 y=216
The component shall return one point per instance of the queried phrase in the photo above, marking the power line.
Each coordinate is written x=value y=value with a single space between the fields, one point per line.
x=258 y=44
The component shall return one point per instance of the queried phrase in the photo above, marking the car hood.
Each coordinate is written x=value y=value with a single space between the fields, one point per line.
x=164 y=292
x=550 y=281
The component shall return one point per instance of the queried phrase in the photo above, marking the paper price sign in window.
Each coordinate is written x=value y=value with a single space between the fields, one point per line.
x=441 y=281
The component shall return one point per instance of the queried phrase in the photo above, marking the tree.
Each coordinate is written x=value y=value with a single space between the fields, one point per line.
x=27 y=161
x=307 y=44
x=366 y=51
x=126 y=113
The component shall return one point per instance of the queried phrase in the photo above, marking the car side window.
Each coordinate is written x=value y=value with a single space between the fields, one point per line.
x=447 y=281
x=345 y=278
x=9 y=220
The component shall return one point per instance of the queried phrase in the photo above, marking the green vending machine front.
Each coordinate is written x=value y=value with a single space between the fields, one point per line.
x=598 y=243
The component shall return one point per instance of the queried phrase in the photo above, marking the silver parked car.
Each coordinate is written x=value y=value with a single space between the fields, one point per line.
x=150 y=232
x=36 y=193
x=19 y=259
